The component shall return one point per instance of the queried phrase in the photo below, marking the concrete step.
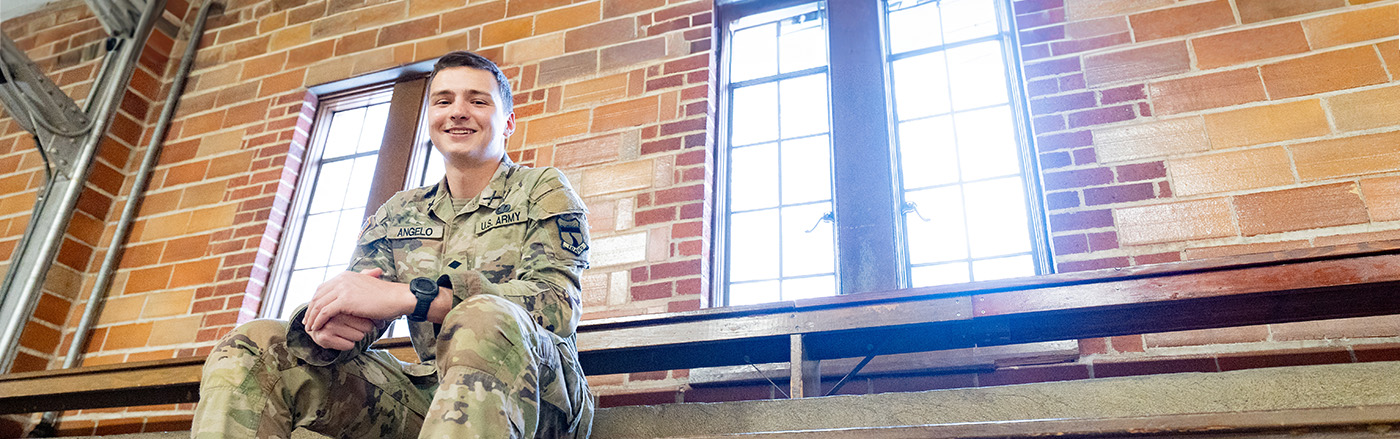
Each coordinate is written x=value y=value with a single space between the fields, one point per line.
x=1301 y=395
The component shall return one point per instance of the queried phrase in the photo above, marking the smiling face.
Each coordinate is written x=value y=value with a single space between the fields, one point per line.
x=466 y=119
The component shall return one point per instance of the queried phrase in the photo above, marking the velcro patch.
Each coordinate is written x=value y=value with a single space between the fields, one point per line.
x=571 y=234
x=407 y=232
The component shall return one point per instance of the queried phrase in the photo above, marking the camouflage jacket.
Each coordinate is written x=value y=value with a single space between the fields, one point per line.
x=524 y=238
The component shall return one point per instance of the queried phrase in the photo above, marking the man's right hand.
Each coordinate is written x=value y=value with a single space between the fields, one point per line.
x=341 y=331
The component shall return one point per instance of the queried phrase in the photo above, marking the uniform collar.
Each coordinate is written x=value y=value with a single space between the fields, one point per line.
x=490 y=197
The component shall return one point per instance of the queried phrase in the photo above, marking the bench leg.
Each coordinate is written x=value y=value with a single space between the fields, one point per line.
x=806 y=378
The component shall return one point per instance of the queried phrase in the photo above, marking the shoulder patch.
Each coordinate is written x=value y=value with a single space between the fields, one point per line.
x=571 y=235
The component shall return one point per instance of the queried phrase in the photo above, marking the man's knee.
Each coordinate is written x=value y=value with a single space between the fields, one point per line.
x=485 y=313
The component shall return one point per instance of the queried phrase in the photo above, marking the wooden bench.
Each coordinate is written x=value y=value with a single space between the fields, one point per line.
x=1311 y=284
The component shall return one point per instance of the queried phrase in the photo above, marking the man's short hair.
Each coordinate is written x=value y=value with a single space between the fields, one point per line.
x=462 y=58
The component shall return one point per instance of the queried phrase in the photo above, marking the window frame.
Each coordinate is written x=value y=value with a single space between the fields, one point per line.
x=867 y=195
x=398 y=153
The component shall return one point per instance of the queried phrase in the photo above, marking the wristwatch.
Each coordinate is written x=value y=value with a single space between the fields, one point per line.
x=426 y=291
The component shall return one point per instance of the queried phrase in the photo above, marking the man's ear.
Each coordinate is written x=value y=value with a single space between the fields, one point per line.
x=510 y=124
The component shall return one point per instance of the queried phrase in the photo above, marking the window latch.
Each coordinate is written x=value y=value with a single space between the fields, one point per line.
x=913 y=207
x=829 y=217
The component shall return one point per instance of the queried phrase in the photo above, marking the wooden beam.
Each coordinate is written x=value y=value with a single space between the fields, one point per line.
x=806 y=378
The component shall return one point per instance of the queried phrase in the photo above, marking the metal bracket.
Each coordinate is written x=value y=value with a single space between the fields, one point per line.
x=41 y=107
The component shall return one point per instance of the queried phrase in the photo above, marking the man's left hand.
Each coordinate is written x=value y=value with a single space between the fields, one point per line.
x=360 y=294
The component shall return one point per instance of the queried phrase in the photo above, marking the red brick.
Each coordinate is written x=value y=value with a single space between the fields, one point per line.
x=1300 y=209
x=1182 y=20
x=1033 y=374
x=676 y=269
x=1207 y=91
x=1324 y=72
x=1040 y=18
x=1070 y=244
x=1100 y=116
x=1056 y=104
x=1141 y=171
x=1052 y=67
x=1157 y=258
x=1106 y=369
x=680 y=194
x=1252 y=11
x=653 y=216
x=654 y=291
x=1064 y=140
x=1092 y=219
x=1062 y=200
x=694 y=7
x=1123 y=94
x=1118 y=194
x=1040 y=35
x=1047 y=124
x=1072 y=82
x=1035 y=52
x=1093 y=264
x=1077 y=178
x=1029 y=6
x=1254 y=360
x=1237 y=47
x=1137 y=63
x=1084 y=156
x=1102 y=241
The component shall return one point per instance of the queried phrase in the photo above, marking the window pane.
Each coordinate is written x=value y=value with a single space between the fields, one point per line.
x=753 y=246
x=754 y=53
x=802 y=43
x=347 y=232
x=927 y=152
x=753 y=180
x=968 y=19
x=977 y=74
x=942 y=274
x=300 y=289
x=807 y=253
x=344 y=135
x=330 y=186
x=361 y=176
x=803 y=109
x=316 y=238
x=376 y=117
x=755 y=115
x=921 y=86
x=806 y=170
x=996 y=217
x=914 y=27
x=1003 y=268
x=987 y=143
x=753 y=292
x=436 y=168
x=398 y=329
x=809 y=287
x=943 y=236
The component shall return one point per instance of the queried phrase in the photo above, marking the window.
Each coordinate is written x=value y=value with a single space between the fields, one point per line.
x=861 y=157
x=355 y=161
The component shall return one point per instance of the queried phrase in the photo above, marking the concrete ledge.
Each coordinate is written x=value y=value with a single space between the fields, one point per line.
x=1255 y=390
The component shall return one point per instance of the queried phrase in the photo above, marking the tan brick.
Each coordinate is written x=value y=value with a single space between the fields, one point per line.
x=194 y=273
x=1182 y=20
x=601 y=34
x=1267 y=123
x=1152 y=139
x=1230 y=171
x=211 y=218
x=1323 y=72
x=1366 y=109
x=121 y=308
x=631 y=53
x=1237 y=47
x=625 y=114
x=568 y=18
x=1390 y=52
x=547 y=129
x=1076 y=10
x=1359 y=327
x=1300 y=209
x=601 y=149
x=476 y=14
x=168 y=304
x=532 y=49
x=289 y=37
x=127 y=336
x=594 y=91
x=1356 y=238
x=1242 y=249
x=1382 y=198
x=1202 y=337
x=1349 y=156
x=170 y=331
x=618 y=8
x=633 y=175
x=1137 y=63
x=418 y=8
x=165 y=226
x=555 y=70
x=1352 y=26
x=1207 y=91
x=1176 y=221
x=502 y=32
x=521 y=7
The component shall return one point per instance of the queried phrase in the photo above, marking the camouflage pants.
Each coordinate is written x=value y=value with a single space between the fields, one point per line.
x=494 y=364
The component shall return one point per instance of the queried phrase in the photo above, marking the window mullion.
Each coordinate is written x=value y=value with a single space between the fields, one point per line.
x=869 y=255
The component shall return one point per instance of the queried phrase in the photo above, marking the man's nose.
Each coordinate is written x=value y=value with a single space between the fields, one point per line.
x=458 y=110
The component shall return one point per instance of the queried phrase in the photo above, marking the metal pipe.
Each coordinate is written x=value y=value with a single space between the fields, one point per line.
x=33 y=279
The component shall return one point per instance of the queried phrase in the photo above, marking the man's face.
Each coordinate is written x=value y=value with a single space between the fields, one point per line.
x=466 y=118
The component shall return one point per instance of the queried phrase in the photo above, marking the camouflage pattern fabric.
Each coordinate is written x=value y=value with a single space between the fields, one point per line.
x=505 y=355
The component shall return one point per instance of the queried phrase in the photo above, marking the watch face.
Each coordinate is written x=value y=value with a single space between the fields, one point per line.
x=423 y=285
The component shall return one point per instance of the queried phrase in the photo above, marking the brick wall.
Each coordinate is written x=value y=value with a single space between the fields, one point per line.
x=1166 y=130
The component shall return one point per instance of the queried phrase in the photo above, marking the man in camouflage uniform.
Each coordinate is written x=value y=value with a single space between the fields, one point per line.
x=505 y=246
